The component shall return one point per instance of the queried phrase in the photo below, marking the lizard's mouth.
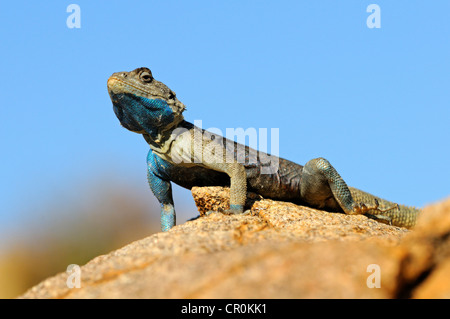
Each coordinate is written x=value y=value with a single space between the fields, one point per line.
x=117 y=86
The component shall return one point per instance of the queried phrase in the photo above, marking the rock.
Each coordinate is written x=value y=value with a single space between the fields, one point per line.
x=427 y=254
x=287 y=220
x=277 y=250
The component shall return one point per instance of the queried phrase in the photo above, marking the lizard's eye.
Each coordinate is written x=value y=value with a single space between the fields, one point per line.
x=171 y=96
x=146 y=77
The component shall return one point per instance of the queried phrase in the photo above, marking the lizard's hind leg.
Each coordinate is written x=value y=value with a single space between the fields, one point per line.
x=322 y=187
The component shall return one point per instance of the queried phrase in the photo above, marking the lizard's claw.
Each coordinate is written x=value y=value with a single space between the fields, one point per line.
x=362 y=208
x=395 y=206
x=381 y=218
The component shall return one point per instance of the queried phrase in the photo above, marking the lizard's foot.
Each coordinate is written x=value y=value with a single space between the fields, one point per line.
x=231 y=212
x=247 y=212
x=234 y=209
x=381 y=218
x=362 y=208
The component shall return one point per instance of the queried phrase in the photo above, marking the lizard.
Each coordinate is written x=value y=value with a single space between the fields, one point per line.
x=187 y=155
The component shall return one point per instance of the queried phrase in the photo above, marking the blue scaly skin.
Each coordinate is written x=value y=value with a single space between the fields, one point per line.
x=189 y=156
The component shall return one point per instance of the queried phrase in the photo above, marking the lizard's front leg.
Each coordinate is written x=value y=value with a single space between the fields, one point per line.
x=238 y=187
x=218 y=156
x=157 y=175
x=238 y=184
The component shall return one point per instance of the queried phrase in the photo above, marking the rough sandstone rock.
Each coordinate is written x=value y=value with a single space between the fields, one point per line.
x=277 y=250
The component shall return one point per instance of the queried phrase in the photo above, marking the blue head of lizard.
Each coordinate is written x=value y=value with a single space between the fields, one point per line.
x=142 y=104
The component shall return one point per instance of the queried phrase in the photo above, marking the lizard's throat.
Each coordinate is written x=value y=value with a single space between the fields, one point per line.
x=162 y=135
x=153 y=116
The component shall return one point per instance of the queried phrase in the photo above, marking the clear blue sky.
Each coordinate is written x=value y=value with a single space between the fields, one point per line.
x=375 y=102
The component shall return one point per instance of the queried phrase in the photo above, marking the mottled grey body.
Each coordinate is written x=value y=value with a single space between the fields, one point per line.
x=189 y=156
